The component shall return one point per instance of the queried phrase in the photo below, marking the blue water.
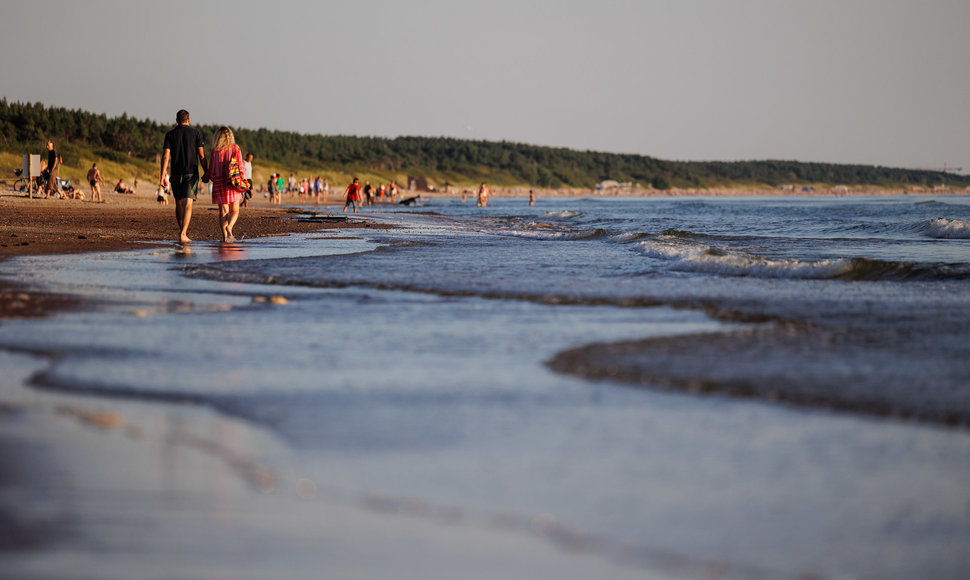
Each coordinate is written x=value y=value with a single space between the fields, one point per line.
x=548 y=362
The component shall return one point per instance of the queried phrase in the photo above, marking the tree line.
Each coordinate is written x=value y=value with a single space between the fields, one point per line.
x=26 y=126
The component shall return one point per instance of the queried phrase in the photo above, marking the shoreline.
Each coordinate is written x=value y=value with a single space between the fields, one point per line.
x=56 y=226
x=129 y=486
x=126 y=222
x=138 y=488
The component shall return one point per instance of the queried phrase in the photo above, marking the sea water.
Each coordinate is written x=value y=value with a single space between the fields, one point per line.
x=777 y=385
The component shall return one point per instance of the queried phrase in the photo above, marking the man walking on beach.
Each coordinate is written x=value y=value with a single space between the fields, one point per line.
x=53 y=165
x=96 y=180
x=183 y=146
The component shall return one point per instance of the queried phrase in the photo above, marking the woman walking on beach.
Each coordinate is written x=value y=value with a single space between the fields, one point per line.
x=353 y=195
x=225 y=150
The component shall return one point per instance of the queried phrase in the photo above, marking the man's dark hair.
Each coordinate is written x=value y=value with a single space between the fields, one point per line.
x=182 y=116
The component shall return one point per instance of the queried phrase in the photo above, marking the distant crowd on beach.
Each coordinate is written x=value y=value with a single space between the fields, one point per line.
x=228 y=176
x=317 y=190
x=49 y=184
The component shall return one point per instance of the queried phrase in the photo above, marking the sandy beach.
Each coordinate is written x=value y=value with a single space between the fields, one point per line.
x=58 y=226
x=124 y=222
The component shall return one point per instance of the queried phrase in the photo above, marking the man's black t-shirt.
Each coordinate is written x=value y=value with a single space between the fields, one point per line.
x=184 y=142
x=51 y=159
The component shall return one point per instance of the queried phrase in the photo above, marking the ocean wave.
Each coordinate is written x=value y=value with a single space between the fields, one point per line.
x=543 y=231
x=712 y=260
x=943 y=228
x=674 y=233
x=636 y=236
x=628 y=237
x=564 y=214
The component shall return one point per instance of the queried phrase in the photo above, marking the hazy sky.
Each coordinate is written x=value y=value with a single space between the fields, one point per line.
x=849 y=81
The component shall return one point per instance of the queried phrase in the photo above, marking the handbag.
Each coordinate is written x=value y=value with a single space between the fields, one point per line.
x=237 y=182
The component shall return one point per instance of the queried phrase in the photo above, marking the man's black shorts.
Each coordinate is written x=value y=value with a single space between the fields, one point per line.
x=185 y=186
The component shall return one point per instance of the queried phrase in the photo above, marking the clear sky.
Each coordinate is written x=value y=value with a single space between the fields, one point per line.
x=849 y=81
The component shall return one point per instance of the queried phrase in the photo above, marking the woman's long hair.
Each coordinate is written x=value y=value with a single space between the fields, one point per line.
x=223 y=139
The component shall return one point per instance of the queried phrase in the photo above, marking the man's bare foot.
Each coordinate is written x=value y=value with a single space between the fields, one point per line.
x=184 y=240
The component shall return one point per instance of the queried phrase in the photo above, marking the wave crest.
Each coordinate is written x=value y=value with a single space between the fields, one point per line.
x=544 y=231
x=712 y=260
x=564 y=214
x=943 y=228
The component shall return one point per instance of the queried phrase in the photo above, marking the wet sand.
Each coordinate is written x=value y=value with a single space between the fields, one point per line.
x=57 y=226
x=791 y=363
x=96 y=487
x=124 y=222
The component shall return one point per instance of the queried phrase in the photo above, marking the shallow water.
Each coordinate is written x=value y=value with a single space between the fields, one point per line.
x=411 y=364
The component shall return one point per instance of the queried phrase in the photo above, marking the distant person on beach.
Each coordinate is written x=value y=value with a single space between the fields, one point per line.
x=353 y=195
x=273 y=191
x=532 y=198
x=53 y=166
x=248 y=174
x=122 y=187
x=280 y=184
x=183 y=146
x=95 y=179
x=368 y=193
x=225 y=150
x=483 y=195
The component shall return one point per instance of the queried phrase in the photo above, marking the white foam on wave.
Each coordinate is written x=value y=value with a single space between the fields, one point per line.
x=710 y=260
x=948 y=229
x=539 y=231
x=565 y=214
x=628 y=237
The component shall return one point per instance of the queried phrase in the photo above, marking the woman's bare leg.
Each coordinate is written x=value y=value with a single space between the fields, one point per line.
x=233 y=210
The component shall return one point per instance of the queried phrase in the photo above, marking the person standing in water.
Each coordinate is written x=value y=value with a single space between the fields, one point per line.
x=224 y=151
x=532 y=198
x=183 y=146
x=353 y=195
x=483 y=195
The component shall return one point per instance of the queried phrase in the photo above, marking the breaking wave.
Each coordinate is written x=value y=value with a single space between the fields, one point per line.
x=628 y=237
x=712 y=260
x=565 y=214
x=943 y=228
x=544 y=231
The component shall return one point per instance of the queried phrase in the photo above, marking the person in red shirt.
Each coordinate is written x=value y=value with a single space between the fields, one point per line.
x=353 y=195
